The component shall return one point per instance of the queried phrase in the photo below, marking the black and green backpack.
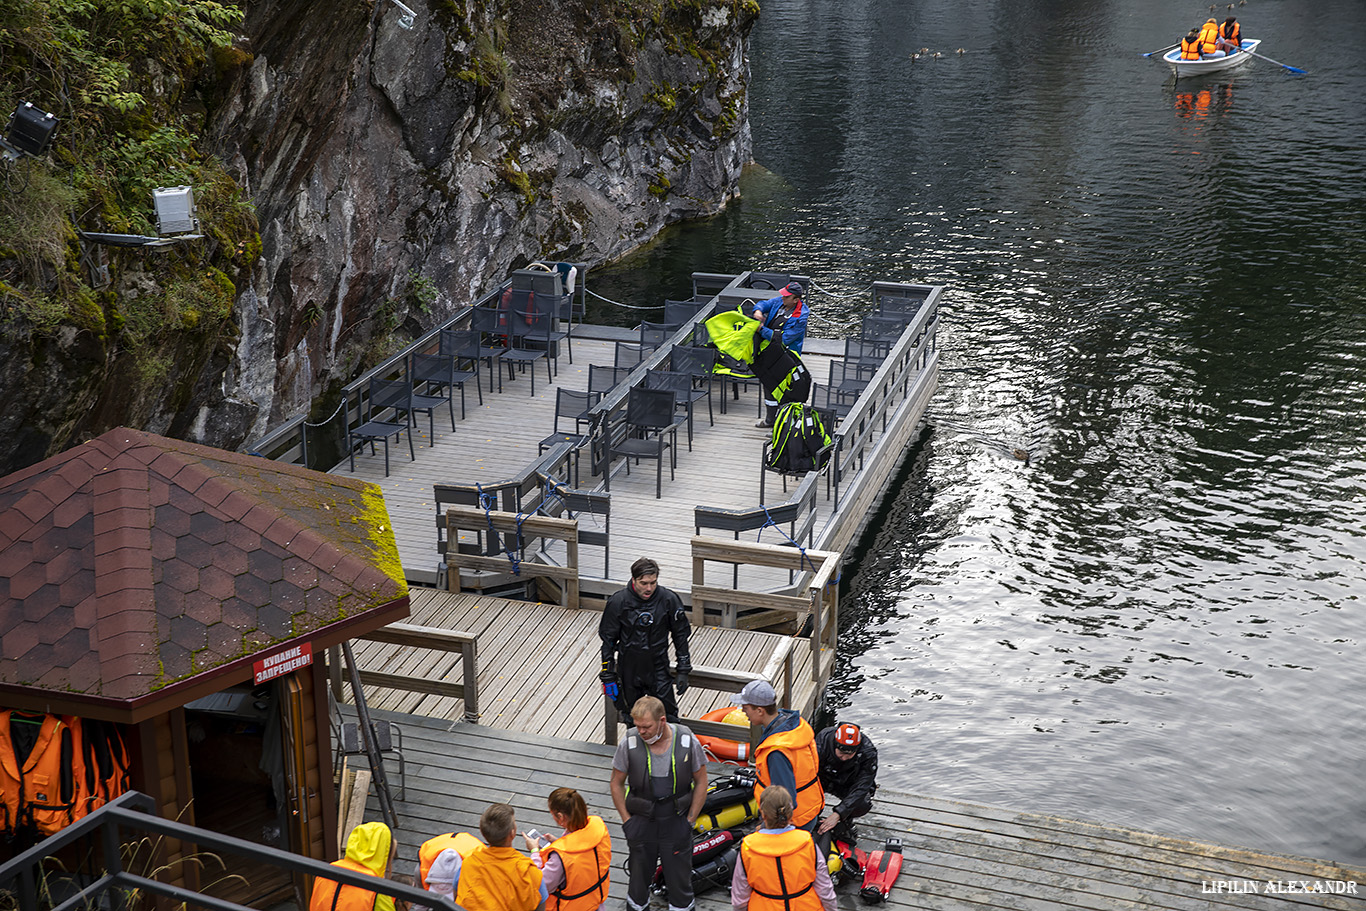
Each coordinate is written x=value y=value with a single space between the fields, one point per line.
x=799 y=435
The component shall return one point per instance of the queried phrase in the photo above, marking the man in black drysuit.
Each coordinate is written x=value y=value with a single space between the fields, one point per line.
x=636 y=627
x=848 y=771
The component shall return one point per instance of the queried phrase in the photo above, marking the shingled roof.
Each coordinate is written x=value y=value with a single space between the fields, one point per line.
x=134 y=565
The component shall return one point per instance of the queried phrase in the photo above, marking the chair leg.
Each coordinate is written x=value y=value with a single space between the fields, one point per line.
x=412 y=456
x=450 y=402
x=386 y=451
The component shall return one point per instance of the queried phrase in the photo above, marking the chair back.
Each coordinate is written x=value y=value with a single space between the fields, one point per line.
x=650 y=409
x=695 y=362
x=383 y=394
x=652 y=335
x=680 y=384
x=432 y=368
x=488 y=320
x=628 y=354
x=574 y=405
x=459 y=343
x=603 y=380
x=883 y=328
x=679 y=312
x=865 y=351
x=769 y=281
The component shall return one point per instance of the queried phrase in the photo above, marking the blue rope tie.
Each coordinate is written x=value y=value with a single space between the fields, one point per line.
x=485 y=500
x=806 y=561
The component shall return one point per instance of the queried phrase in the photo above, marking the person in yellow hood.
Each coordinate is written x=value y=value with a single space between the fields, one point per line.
x=369 y=849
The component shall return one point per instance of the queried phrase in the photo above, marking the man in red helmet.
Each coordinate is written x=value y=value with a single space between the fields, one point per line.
x=848 y=770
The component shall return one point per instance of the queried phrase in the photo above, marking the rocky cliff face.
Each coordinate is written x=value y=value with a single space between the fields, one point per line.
x=488 y=135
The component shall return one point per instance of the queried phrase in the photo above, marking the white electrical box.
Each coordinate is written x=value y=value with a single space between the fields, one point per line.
x=175 y=210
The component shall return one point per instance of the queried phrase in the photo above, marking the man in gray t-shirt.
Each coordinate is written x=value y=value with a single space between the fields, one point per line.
x=659 y=783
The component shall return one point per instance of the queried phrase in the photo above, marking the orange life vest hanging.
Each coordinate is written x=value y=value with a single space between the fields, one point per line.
x=781 y=869
x=42 y=774
x=587 y=857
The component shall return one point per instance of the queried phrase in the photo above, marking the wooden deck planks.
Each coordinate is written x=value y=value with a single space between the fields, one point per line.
x=539 y=663
x=958 y=856
x=496 y=440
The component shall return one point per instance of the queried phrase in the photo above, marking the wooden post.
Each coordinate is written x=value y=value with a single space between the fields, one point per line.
x=469 y=654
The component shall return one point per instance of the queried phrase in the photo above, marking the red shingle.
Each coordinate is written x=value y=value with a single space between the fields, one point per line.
x=237 y=559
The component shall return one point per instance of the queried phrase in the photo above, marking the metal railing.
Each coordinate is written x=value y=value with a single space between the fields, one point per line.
x=27 y=877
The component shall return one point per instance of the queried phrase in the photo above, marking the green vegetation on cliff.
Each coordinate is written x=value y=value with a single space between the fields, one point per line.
x=127 y=80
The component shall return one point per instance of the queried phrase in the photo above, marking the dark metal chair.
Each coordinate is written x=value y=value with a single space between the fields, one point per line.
x=679 y=312
x=649 y=429
x=653 y=335
x=603 y=380
x=686 y=395
x=369 y=430
x=492 y=330
x=528 y=338
x=769 y=281
x=882 y=329
x=865 y=351
x=572 y=405
x=399 y=395
x=463 y=344
x=628 y=354
x=438 y=375
x=699 y=364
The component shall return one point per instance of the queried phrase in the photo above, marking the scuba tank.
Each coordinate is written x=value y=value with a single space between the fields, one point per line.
x=730 y=802
x=715 y=873
x=728 y=817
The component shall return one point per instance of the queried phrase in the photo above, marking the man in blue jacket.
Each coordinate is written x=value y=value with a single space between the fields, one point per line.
x=785 y=316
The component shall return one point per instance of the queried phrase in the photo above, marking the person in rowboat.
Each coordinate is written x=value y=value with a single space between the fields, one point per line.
x=1230 y=36
x=1209 y=40
x=1190 y=45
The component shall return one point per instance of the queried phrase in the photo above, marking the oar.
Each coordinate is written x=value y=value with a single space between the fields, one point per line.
x=1293 y=69
x=1163 y=51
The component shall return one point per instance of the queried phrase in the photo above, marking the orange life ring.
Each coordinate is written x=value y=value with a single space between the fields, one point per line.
x=726 y=750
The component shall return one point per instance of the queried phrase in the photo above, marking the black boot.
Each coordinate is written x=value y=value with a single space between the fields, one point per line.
x=770 y=415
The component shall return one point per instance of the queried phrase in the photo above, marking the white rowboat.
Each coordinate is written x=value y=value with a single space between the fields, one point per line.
x=1210 y=64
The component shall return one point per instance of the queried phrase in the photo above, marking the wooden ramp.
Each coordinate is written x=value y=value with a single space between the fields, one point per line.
x=539 y=663
x=957 y=855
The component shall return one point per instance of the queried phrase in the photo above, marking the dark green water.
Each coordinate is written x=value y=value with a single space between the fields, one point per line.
x=1156 y=289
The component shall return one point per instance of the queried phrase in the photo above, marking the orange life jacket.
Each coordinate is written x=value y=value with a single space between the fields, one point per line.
x=781 y=869
x=106 y=763
x=498 y=879
x=799 y=746
x=1232 y=31
x=464 y=844
x=1209 y=37
x=330 y=895
x=587 y=857
x=1190 y=48
x=40 y=778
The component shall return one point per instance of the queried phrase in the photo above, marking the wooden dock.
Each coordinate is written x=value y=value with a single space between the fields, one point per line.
x=958 y=856
x=538 y=665
x=499 y=438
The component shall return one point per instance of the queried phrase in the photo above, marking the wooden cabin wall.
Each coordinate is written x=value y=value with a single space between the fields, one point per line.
x=160 y=768
x=322 y=795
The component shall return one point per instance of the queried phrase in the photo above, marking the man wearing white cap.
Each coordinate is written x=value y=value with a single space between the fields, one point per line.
x=848 y=771
x=787 y=752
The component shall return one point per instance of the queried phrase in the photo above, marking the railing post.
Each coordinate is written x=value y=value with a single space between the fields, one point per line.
x=469 y=655
x=609 y=721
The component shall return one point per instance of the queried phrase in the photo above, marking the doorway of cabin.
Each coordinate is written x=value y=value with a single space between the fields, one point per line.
x=243 y=775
